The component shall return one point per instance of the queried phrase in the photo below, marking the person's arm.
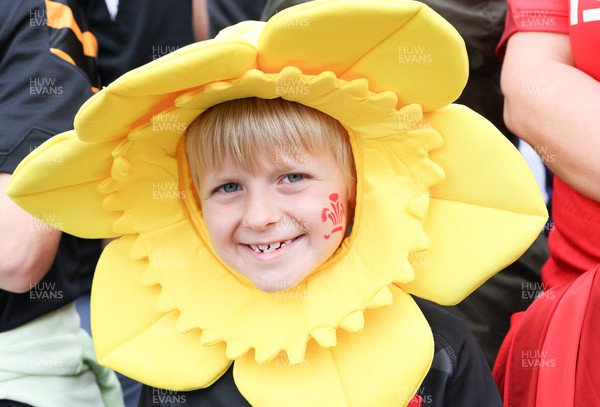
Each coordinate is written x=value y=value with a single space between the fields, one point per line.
x=200 y=20
x=27 y=247
x=554 y=107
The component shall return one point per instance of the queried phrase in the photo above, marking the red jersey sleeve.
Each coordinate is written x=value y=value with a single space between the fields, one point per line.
x=534 y=15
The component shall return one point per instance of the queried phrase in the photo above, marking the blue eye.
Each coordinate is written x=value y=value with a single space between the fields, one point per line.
x=229 y=188
x=292 y=178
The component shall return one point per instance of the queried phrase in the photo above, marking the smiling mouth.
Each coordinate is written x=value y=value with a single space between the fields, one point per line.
x=271 y=247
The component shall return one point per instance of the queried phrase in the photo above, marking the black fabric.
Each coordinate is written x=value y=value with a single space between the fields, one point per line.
x=144 y=30
x=39 y=96
x=39 y=92
x=10 y=403
x=480 y=23
x=65 y=40
x=89 y=251
x=78 y=15
x=223 y=13
x=459 y=375
x=487 y=311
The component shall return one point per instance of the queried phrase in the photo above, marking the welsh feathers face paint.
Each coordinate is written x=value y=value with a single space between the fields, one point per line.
x=336 y=215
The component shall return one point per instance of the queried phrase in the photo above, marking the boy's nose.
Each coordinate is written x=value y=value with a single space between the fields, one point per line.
x=261 y=212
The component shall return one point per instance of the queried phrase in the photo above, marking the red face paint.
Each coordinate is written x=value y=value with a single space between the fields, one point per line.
x=335 y=215
x=416 y=401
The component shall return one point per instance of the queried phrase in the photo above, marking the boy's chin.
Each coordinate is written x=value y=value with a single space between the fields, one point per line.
x=276 y=286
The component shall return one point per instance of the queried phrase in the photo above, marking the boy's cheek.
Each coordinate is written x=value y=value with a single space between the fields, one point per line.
x=216 y=222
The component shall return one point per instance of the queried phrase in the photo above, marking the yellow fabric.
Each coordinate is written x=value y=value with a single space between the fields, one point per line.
x=443 y=202
x=338 y=374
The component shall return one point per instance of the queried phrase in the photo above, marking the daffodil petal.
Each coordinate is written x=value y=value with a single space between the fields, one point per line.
x=64 y=167
x=145 y=178
x=389 y=49
x=382 y=366
x=489 y=203
x=130 y=100
x=134 y=339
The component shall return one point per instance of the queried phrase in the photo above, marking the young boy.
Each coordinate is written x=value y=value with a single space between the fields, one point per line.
x=265 y=171
x=282 y=192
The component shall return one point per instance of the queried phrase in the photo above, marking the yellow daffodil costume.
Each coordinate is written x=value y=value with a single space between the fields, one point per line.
x=443 y=202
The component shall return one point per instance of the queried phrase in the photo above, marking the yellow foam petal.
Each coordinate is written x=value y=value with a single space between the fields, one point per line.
x=129 y=100
x=120 y=169
x=58 y=183
x=390 y=49
x=404 y=272
x=210 y=338
x=165 y=303
x=382 y=299
x=176 y=369
x=186 y=322
x=483 y=216
x=295 y=353
x=463 y=255
x=132 y=338
x=114 y=202
x=266 y=352
x=325 y=337
x=381 y=366
x=144 y=175
x=150 y=277
x=492 y=161
x=419 y=207
x=353 y=322
x=247 y=30
x=236 y=349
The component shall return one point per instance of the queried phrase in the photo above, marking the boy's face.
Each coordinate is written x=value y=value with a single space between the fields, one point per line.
x=277 y=226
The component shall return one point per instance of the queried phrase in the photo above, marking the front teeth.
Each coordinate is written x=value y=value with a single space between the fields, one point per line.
x=270 y=247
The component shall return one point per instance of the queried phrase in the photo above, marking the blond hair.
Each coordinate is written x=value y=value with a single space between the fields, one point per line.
x=247 y=130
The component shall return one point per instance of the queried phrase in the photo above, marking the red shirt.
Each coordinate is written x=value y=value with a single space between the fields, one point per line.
x=582 y=24
x=575 y=239
x=549 y=357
